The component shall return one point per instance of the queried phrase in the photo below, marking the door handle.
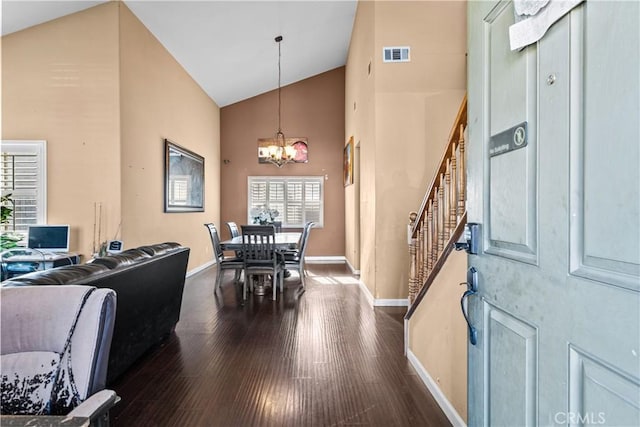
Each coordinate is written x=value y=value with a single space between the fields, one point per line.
x=472 y=289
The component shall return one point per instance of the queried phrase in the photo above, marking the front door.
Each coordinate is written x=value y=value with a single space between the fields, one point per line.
x=553 y=180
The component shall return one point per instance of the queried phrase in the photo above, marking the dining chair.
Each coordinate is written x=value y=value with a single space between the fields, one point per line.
x=224 y=263
x=234 y=231
x=295 y=259
x=261 y=257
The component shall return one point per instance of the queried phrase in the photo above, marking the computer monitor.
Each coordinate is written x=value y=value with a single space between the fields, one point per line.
x=48 y=238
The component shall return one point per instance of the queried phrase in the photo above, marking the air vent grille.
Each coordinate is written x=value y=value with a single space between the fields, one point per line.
x=396 y=54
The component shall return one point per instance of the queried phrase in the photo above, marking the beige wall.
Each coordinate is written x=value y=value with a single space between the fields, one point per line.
x=359 y=123
x=438 y=333
x=103 y=93
x=160 y=100
x=312 y=108
x=60 y=84
x=403 y=117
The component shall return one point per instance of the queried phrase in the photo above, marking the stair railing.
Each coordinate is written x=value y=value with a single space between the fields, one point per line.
x=439 y=223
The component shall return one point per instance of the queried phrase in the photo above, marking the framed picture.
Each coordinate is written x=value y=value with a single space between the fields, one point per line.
x=183 y=179
x=300 y=145
x=347 y=167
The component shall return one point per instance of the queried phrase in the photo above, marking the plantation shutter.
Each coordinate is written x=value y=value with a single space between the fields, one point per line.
x=295 y=213
x=23 y=174
x=313 y=201
x=297 y=199
x=257 y=194
x=277 y=198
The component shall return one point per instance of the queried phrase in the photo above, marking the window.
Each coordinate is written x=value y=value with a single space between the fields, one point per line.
x=299 y=199
x=23 y=174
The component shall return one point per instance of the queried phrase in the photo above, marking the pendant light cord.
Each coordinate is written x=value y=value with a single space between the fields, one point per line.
x=278 y=40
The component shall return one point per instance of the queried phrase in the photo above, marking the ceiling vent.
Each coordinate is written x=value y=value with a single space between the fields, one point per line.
x=396 y=54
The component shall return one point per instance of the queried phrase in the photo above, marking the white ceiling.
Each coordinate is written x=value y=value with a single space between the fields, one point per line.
x=228 y=46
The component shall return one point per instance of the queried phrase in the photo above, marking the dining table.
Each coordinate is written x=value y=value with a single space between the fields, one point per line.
x=287 y=240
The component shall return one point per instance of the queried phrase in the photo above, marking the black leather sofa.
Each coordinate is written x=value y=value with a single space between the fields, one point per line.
x=148 y=281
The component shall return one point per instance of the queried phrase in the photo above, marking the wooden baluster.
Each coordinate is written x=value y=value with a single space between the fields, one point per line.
x=453 y=194
x=429 y=239
x=448 y=226
x=425 y=248
x=419 y=255
x=462 y=187
x=436 y=217
x=434 y=242
x=441 y=218
x=412 y=258
x=422 y=276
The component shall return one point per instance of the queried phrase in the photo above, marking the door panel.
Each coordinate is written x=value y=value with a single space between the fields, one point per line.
x=604 y=165
x=557 y=309
x=511 y=358
x=511 y=190
x=593 y=382
x=509 y=75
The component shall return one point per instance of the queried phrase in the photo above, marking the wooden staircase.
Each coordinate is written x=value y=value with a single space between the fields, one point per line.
x=440 y=221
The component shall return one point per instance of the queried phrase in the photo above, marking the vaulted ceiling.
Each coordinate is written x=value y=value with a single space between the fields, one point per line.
x=228 y=47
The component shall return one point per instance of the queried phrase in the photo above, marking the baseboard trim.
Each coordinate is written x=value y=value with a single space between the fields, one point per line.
x=353 y=270
x=366 y=292
x=446 y=406
x=380 y=302
x=200 y=268
x=324 y=259
x=406 y=336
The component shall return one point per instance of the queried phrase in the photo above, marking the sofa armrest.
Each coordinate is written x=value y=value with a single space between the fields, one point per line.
x=96 y=405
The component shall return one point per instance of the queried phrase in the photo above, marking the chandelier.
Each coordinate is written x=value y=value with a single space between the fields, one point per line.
x=279 y=153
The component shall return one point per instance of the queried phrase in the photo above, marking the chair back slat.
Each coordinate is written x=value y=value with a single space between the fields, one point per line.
x=215 y=241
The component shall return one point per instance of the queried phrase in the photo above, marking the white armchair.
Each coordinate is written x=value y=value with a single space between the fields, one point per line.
x=54 y=350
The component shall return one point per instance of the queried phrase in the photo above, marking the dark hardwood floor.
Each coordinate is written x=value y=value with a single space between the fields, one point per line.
x=323 y=358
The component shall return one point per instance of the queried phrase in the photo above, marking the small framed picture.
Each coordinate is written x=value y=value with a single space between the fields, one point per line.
x=347 y=167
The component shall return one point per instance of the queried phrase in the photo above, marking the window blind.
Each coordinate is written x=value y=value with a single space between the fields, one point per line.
x=298 y=199
x=23 y=175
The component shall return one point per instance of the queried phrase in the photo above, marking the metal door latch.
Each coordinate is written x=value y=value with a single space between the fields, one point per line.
x=472 y=289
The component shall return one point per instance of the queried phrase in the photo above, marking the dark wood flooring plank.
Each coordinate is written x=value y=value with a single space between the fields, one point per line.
x=322 y=358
